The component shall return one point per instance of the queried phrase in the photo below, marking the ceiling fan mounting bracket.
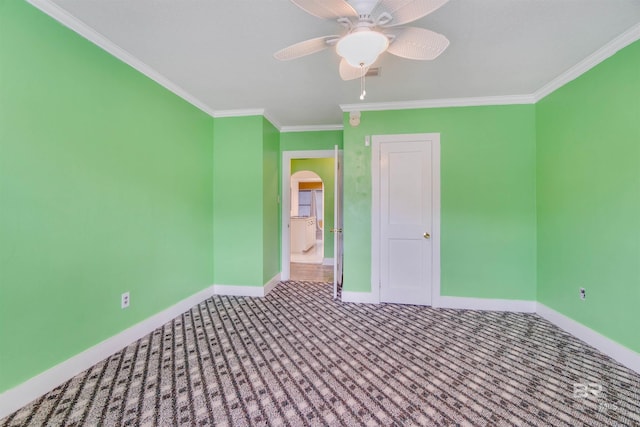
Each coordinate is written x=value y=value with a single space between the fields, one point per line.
x=345 y=22
x=384 y=19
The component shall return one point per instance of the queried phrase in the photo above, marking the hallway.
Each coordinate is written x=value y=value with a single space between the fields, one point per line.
x=311 y=272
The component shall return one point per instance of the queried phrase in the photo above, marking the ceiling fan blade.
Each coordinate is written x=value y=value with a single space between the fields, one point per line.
x=326 y=9
x=416 y=43
x=348 y=72
x=405 y=11
x=304 y=48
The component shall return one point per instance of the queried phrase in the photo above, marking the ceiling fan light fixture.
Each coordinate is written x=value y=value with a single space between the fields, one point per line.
x=361 y=47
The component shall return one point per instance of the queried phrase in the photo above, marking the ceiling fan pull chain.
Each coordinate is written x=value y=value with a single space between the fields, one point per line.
x=363 y=90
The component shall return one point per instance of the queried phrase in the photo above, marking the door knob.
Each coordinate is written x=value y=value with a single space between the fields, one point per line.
x=426 y=235
x=336 y=230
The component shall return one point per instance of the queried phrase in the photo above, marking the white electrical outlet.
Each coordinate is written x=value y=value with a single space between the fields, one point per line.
x=583 y=293
x=124 y=300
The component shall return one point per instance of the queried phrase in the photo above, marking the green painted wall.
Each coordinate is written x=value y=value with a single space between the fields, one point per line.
x=238 y=201
x=488 y=216
x=589 y=198
x=325 y=170
x=271 y=233
x=109 y=183
x=246 y=169
x=105 y=187
x=313 y=140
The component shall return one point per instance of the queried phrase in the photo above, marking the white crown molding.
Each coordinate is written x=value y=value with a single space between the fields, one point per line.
x=238 y=113
x=272 y=120
x=606 y=51
x=622 y=354
x=19 y=396
x=74 y=24
x=310 y=128
x=440 y=103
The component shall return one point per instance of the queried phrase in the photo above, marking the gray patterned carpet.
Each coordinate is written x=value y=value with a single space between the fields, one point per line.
x=298 y=358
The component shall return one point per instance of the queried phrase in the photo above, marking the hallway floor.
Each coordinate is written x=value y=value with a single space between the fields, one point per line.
x=311 y=272
x=315 y=255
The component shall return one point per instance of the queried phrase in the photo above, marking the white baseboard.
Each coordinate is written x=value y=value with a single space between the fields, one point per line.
x=616 y=351
x=461 y=303
x=327 y=261
x=271 y=284
x=247 y=291
x=464 y=303
x=17 y=397
x=360 y=297
x=239 y=291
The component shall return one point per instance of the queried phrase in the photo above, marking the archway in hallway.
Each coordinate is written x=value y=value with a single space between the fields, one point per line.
x=307 y=218
x=321 y=163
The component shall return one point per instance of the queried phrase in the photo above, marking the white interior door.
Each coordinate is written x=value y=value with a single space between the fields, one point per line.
x=406 y=219
x=337 y=223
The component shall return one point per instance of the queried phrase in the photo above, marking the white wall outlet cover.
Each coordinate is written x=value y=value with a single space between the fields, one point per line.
x=125 y=300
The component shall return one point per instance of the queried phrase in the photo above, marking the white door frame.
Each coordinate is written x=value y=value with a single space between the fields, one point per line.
x=287 y=156
x=376 y=140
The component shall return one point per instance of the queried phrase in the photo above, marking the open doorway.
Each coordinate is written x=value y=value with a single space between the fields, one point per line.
x=308 y=215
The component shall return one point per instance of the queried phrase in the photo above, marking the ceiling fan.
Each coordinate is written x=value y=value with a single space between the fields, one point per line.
x=372 y=27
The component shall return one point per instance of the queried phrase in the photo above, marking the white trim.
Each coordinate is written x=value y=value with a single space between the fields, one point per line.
x=65 y=18
x=239 y=290
x=622 y=354
x=271 y=284
x=328 y=261
x=238 y=113
x=272 y=120
x=19 y=396
x=436 y=203
x=375 y=207
x=247 y=291
x=74 y=24
x=464 y=303
x=360 y=297
x=606 y=51
x=310 y=128
x=287 y=156
x=440 y=103
x=375 y=220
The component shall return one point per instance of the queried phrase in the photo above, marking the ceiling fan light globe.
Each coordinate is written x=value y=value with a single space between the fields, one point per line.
x=361 y=48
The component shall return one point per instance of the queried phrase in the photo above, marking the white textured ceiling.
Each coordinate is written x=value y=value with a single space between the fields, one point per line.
x=221 y=51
